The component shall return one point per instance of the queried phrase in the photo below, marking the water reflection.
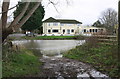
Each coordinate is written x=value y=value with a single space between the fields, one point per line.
x=50 y=47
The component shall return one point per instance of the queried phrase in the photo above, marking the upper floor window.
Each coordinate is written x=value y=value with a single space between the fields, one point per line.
x=49 y=24
x=62 y=24
x=55 y=24
x=78 y=24
x=69 y=24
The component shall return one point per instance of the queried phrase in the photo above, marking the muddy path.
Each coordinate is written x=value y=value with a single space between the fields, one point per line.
x=63 y=68
x=54 y=64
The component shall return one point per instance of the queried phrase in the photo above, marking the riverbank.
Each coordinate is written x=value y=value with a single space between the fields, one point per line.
x=53 y=37
x=102 y=56
x=19 y=63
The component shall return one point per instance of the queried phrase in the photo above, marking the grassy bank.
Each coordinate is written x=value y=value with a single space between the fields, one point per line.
x=19 y=63
x=103 y=57
x=53 y=37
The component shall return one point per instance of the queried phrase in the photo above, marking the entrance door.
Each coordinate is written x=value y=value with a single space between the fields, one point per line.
x=68 y=31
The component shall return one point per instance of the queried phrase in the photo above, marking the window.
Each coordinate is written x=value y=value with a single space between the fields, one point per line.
x=62 y=24
x=63 y=31
x=68 y=31
x=49 y=31
x=55 y=30
x=90 y=30
x=96 y=30
x=85 y=30
x=101 y=29
x=78 y=24
x=72 y=30
x=55 y=24
x=93 y=30
x=69 y=24
x=48 y=24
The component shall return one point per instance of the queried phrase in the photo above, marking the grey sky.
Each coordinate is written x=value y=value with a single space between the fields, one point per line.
x=85 y=11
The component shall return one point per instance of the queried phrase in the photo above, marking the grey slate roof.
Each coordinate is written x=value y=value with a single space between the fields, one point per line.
x=62 y=20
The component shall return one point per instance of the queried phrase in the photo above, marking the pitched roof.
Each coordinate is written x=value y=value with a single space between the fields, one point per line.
x=50 y=20
x=62 y=20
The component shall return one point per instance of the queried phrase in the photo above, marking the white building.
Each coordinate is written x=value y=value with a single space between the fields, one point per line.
x=66 y=27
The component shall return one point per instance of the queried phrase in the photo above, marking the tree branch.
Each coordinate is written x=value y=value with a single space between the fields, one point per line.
x=10 y=8
x=53 y=5
x=17 y=19
x=29 y=14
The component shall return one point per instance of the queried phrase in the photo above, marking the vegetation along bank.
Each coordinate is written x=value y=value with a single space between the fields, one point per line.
x=17 y=63
x=102 y=55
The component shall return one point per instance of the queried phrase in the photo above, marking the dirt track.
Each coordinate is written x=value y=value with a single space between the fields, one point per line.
x=63 y=67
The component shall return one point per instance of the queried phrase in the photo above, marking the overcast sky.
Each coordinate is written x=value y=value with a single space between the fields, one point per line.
x=85 y=11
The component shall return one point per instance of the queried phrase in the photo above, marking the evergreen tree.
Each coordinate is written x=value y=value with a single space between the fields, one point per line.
x=35 y=21
x=98 y=24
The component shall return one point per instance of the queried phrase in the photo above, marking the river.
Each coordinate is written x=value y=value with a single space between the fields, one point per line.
x=55 y=65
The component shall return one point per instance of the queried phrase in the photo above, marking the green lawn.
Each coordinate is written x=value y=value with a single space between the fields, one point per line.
x=52 y=37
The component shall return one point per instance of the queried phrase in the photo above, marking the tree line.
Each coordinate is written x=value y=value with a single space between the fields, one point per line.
x=108 y=20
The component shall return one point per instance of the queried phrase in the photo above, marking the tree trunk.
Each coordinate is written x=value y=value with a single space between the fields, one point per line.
x=9 y=30
x=5 y=33
x=5 y=7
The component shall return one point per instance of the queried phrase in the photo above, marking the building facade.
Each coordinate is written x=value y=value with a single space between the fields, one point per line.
x=57 y=27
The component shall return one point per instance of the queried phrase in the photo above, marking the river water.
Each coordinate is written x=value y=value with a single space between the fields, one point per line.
x=55 y=65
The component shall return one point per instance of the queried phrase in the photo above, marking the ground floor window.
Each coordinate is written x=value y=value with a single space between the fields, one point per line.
x=96 y=30
x=68 y=31
x=55 y=30
x=63 y=31
x=49 y=31
x=72 y=30
x=90 y=30
x=85 y=30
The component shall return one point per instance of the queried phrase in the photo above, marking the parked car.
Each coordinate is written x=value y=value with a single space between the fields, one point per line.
x=31 y=34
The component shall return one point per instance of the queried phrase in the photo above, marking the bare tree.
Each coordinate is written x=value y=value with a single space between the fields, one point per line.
x=16 y=22
x=109 y=19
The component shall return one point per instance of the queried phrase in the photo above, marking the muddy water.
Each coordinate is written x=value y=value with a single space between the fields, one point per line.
x=55 y=65
x=50 y=47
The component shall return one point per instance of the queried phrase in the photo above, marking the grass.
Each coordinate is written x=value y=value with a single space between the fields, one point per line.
x=102 y=57
x=20 y=63
x=51 y=37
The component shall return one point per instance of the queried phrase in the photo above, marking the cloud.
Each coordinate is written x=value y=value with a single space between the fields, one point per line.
x=87 y=11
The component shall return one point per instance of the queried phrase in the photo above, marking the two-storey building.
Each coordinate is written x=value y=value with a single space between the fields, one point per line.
x=67 y=27
x=53 y=26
